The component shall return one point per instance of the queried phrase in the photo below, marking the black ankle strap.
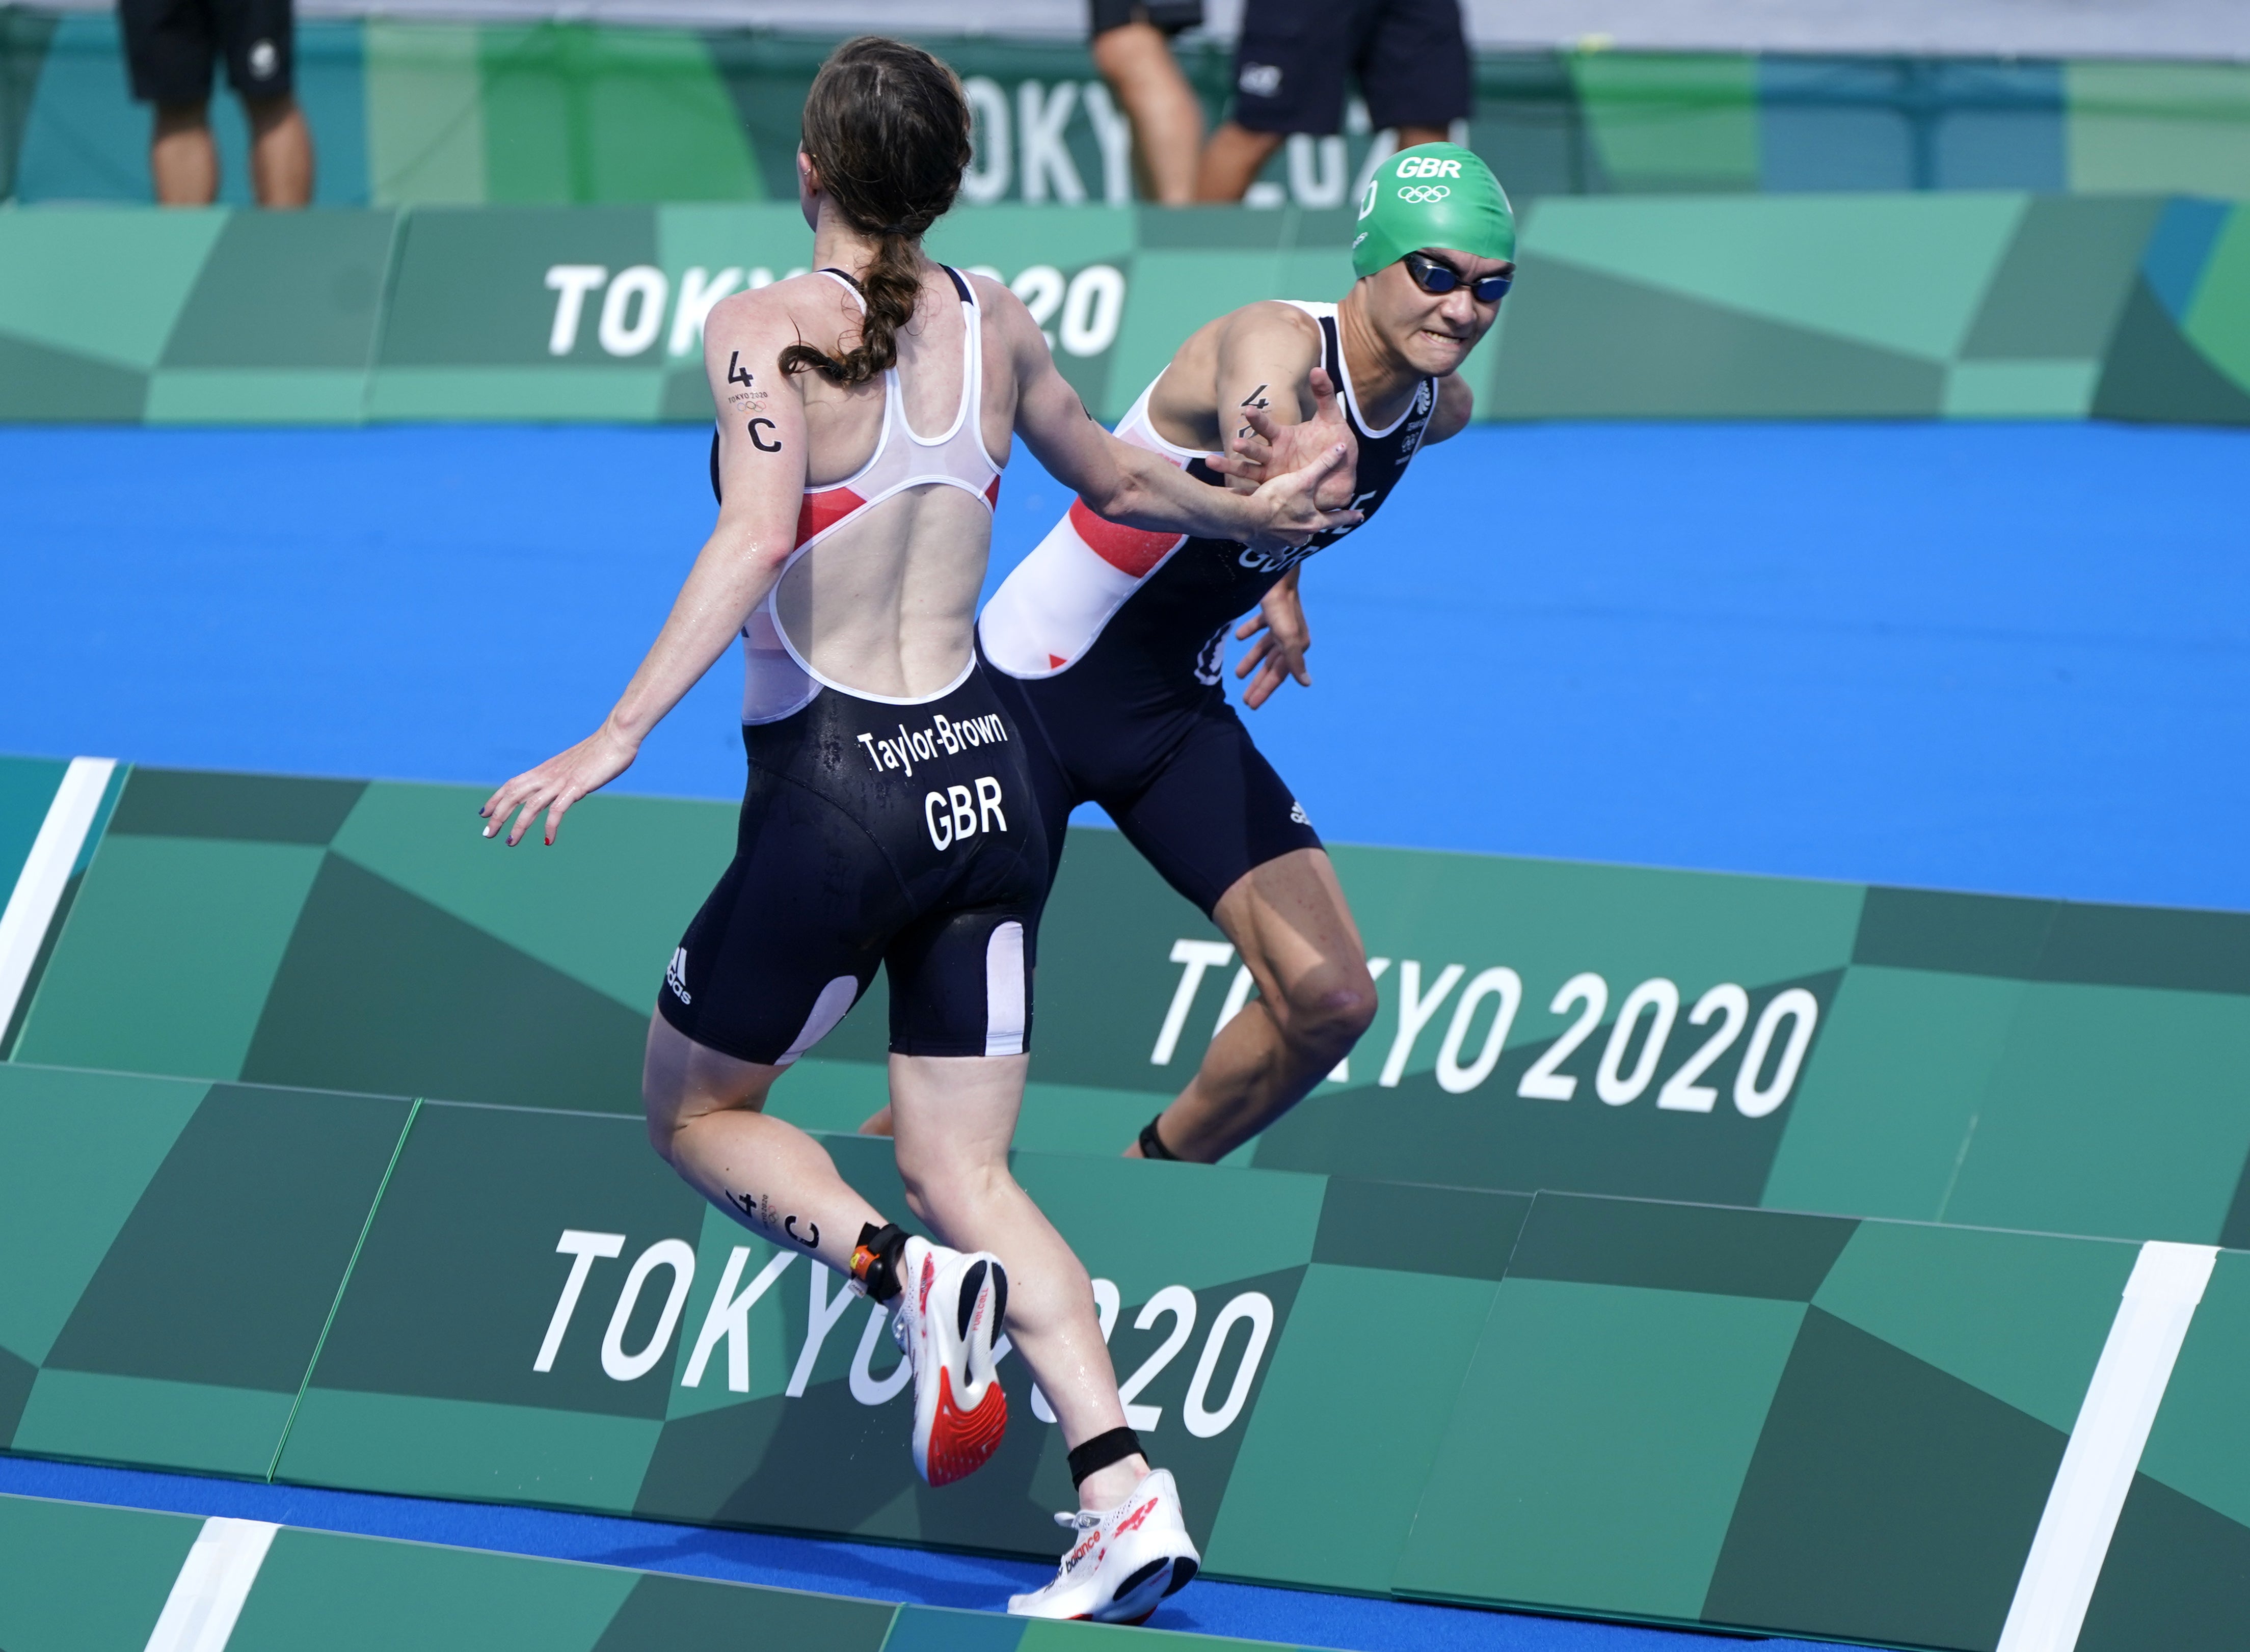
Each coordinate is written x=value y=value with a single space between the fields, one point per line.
x=1092 y=1456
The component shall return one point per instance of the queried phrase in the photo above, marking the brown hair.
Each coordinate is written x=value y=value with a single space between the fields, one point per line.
x=887 y=128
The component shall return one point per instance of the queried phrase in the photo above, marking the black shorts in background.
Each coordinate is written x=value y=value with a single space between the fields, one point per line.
x=1184 y=781
x=1410 y=57
x=1170 y=15
x=170 y=44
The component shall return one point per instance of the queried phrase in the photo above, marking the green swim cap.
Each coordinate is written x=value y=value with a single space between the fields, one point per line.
x=1432 y=194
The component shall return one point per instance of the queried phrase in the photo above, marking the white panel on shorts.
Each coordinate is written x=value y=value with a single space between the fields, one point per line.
x=1003 y=990
x=827 y=1009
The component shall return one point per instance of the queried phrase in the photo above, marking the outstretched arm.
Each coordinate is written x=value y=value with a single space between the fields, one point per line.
x=1274 y=402
x=761 y=481
x=1129 y=484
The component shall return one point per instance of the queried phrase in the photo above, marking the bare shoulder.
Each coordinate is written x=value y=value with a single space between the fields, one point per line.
x=1268 y=322
x=993 y=293
x=1272 y=341
x=1002 y=307
x=808 y=306
x=1456 y=402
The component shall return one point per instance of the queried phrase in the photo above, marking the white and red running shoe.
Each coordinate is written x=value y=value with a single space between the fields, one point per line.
x=1125 y=1561
x=950 y=1306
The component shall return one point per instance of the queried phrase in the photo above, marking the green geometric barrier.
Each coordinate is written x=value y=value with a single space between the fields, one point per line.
x=589 y=1357
x=1776 y=306
x=82 y=1578
x=2042 y=1066
x=183 y=1245
x=1854 y=1430
x=1716 y=309
x=1742 y=1419
x=539 y=1310
x=78 y=1578
x=1758 y=1420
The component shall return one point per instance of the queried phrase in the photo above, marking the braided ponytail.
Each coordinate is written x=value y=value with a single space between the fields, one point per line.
x=888 y=126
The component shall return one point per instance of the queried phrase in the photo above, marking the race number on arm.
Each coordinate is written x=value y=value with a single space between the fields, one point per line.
x=1266 y=358
x=762 y=440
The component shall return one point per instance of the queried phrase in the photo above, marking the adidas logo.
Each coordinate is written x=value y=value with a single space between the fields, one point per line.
x=675 y=974
x=1296 y=813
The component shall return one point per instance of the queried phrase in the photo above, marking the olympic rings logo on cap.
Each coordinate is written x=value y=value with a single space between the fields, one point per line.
x=1424 y=194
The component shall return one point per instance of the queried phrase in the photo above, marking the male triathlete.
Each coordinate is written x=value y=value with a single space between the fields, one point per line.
x=1106 y=639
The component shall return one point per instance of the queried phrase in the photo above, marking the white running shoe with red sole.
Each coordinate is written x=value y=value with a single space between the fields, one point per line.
x=1125 y=1561
x=949 y=1312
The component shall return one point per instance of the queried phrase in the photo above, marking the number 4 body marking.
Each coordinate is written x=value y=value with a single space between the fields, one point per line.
x=737 y=373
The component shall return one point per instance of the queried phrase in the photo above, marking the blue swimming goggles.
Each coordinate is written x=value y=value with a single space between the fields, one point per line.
x=1435 y=276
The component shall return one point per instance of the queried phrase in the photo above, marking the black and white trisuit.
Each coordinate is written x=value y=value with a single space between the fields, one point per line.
x=875 y=830
x=1107 y=643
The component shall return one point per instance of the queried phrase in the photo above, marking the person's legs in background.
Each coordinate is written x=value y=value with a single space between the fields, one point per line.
x=1132 y=48
x=182 y=160
x=169 y=48
x=260 y=38
x=1290 y=66
x=1413 y=70
x=1232 y=160
x=1410 y=57
x=280 y=152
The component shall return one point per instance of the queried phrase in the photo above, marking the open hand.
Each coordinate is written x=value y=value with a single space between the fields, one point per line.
x=557 y=783
x=1280 y=653
x=1268 y=449
x=1294 y=513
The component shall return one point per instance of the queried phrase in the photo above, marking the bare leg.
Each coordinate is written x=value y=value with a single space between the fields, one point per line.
x=1230 y=162
x=704 y=1121
x=280 y=152
x=1137 y=60
x=1290 y=925
x=1289 y=921
x=954 y=1116
x=182 y=160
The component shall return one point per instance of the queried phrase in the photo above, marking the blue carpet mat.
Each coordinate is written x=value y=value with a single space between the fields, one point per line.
x=2002 y=658
x=866 y=1570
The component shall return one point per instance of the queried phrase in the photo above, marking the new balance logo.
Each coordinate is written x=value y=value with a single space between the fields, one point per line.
x=675 y=974
x=1132 y=1522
